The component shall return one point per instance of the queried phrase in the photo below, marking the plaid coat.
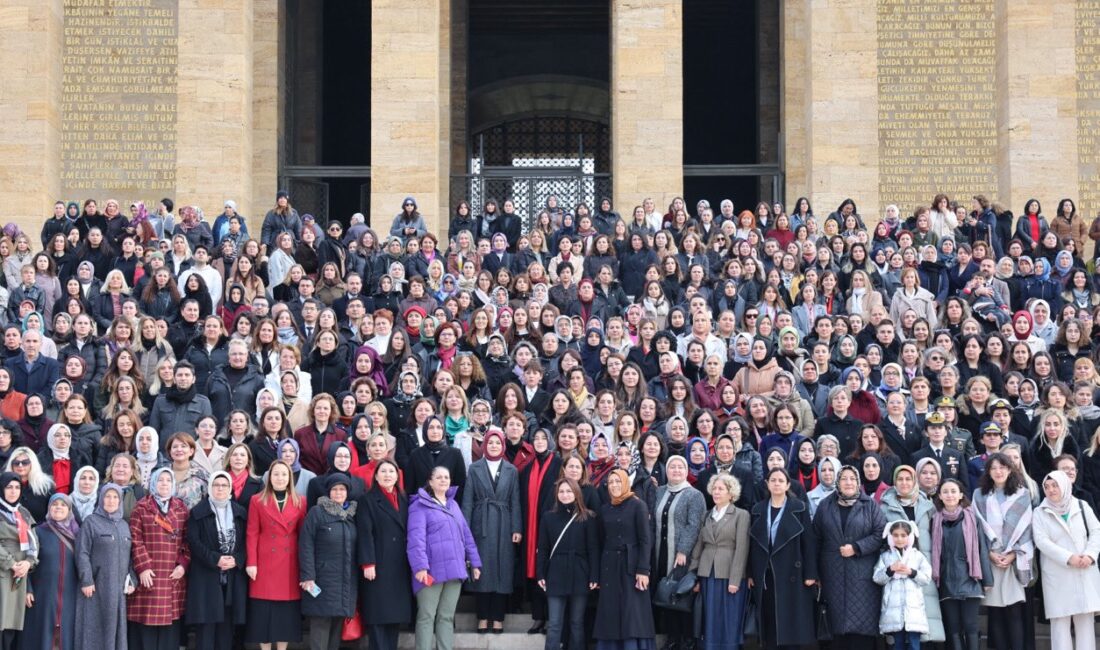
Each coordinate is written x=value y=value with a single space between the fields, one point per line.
x=157 y=549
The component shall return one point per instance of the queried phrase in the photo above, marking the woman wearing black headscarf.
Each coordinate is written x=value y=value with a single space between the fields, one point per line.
x=340 y=461
x=433 y=453
x=19 y=550
x=50 y=622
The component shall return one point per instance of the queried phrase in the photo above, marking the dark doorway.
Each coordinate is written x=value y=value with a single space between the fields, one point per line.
x=328 y=107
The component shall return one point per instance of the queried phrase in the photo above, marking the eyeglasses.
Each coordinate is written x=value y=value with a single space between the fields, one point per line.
x=748 y=316
x=20 y=463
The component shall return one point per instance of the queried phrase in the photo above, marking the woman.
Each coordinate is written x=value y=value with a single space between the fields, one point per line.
x=190 y=479
x=849 y=544
x=265 y=446
x=440 y=546
x=912 y=296
x=59 y=460
x=960 y=565
x=103 y=569
x=51 y=595
x=316 y=439
x=274 y=519
x=327 y=549
x=827 y=469
x=37 y=485
x=20 y=553
x=217 y=587
x=537 y=497
x=720 y=559
x=568 y=562
x=245 y=484
x=433 y=453
x=677 y=519
x=624 y=615
x=1003 y=506
x=158 y=527
x=491 y=505
x=905 y=501
x=385 y=598
x=782 y=565
x=1067 y=536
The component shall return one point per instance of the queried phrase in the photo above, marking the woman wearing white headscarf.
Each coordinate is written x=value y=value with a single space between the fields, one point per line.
x=217 y=587
x=827 y=469
x=85 y=493
x=149 y=455
x=1067 y=534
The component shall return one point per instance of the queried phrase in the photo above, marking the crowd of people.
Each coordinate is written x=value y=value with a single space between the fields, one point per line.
x=705 y=425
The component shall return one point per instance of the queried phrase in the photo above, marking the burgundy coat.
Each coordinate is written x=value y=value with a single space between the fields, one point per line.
x=272 y=546
x=314 y=457
x=154 y=547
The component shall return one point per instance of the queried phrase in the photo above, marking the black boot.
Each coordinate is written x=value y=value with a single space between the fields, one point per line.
x=671 y=643
x=973 y=639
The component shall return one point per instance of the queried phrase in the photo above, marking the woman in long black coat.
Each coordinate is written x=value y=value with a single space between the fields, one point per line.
x=782 y=566
x=385 y=596
x=435 y=452
x=217 y=587
x=624 y=613
x=848 y=548
x=52 y=592
x=568 y=562
x=536 y=484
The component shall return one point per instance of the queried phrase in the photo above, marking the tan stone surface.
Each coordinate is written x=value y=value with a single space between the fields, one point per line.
x=30 y=118
x=647 y=141
x=267 y=108
x=410 y=109
x=795 y=106
x=1037 y=103
x=214 y=118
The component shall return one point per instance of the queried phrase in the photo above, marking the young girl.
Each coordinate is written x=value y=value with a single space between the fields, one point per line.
x=902 y=570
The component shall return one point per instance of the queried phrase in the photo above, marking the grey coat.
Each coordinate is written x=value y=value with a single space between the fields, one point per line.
x=722 y=549
x=893 y=511
x=494 y=514
x=13 y=598
x=103 y=560
x=955 y=580
x=684 y=526
x=846 y=582
x=169 y=417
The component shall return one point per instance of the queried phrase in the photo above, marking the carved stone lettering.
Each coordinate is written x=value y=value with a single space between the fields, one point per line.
x=1088 y=106
x=937 y=112
x=118 y=112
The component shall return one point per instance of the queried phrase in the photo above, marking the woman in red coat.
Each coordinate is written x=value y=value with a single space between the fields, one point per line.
x=315 y=438
x=158 y=526
x=274 y=603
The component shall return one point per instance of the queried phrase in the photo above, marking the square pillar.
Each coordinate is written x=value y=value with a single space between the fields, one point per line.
x=1037 y=125
x=410 y=110
x=30 y=111
x=214 y=111
x=647 y=132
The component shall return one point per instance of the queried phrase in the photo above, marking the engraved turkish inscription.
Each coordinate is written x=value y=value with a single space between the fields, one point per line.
x=119 y=98
x=937 y=116
x=1088 y=106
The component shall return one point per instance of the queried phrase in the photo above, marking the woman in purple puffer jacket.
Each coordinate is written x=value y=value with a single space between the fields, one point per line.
x=440 y=547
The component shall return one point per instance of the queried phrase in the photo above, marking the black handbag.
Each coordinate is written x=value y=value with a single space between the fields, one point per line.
x=751 y=624
x=676 y=591
x=821 y=615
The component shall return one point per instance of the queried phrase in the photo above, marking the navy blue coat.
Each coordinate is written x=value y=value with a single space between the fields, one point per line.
x=54 y=585
x=40 y=378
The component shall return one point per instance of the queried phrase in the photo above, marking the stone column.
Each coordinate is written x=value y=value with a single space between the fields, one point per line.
x=647 y=136
x=794 y=23
x=30 y=111
x=1036 y=104
x=410 y=110
x=842 y=125
x=268 y=55
x=214 y=114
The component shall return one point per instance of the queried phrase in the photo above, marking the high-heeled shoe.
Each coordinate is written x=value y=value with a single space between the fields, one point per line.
x=483 y=630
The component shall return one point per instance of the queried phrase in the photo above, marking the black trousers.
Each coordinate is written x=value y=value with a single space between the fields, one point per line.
x=855 y=642
x=324 y=632
x=491 y=606
x=384 y=637
x=154 y=637
x=960 y=616
x=216 y=636
x=1006 y=627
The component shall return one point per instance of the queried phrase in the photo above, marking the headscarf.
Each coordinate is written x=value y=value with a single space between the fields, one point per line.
x=162 y=502
x=835 y=462
x=679 y=459
x=297 y=466
x=870 y=486
x=493 y=433
x=67 y=528
x=148 y=460
x=377 y=372
x=635 y=457
x=11 y=512
x=741 y=358
x=58 y=454
x=1060 y=507
x=843 y=500
x=117 y=514
x=1030 y=324
x=912 y=497
x=84 y=505
x=223 y=514
x=625 y=483
x=695 y=470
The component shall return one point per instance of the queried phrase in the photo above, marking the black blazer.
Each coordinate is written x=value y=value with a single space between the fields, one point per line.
x=383 y=541
x=953 y=464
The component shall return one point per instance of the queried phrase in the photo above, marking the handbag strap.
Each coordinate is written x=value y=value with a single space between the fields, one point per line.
x=562 y=534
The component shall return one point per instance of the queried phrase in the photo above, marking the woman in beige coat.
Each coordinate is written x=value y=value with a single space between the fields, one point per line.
x=912 y=296
x=719 y=559
x=757 y=377
x=862 y=297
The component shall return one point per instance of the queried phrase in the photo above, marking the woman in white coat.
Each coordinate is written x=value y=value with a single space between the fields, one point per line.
x=910 y=295
x=1067 y=534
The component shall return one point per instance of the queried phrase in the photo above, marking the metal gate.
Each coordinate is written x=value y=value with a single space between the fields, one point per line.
x=309 y=197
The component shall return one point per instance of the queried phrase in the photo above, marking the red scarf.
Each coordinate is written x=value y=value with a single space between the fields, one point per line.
x=239 y=481
x=62 y=475
x=534 y=481
x=391 y=496
x=446 y=356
